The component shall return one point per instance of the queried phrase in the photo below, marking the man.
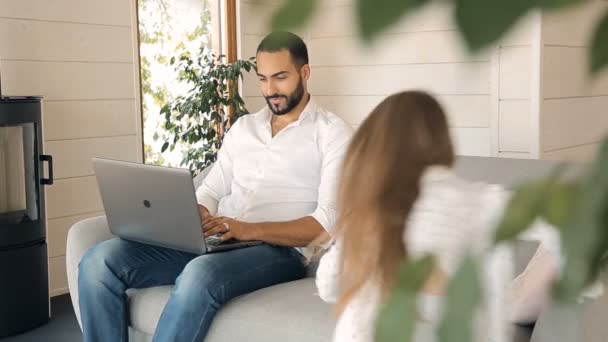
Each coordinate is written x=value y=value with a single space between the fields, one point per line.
x=274 y=180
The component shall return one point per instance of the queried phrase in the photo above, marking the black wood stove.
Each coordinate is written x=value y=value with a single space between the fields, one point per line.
x=24 y=293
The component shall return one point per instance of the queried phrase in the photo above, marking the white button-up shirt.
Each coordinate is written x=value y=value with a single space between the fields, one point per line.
x=261 y=178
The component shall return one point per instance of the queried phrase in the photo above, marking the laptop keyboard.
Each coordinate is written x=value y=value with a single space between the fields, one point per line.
x=213 y=240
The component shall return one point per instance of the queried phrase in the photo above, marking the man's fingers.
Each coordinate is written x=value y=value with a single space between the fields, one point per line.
x=212 y=222
x=211 y=219
x=203 y=212
x=229 y=235
x=215 y=227
x=213 y=232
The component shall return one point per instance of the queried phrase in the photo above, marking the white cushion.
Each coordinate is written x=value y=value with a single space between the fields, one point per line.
x=285 y=312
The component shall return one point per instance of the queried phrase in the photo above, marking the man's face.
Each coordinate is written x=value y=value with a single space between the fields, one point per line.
x=281 y=81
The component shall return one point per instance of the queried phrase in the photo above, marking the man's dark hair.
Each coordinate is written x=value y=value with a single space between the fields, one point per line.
x=283 y=40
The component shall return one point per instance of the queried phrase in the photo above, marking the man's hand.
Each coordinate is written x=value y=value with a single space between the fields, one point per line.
x=228 y=228
x=203 y=212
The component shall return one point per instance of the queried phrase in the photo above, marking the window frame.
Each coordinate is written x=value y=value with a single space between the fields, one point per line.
x=224 y=19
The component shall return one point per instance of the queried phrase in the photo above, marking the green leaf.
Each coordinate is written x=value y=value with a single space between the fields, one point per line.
x=585 y=239
x=483 y=22
x=525 y=205
x=293 y=14
x=561 y=203
x=462 y=298
x=188 y=121
x=599 y=46
x=374 y=16
x=166 y=109
x=397 y=317
x=164 y=148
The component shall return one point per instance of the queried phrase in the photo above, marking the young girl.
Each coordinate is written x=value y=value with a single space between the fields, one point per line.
x=398 y=198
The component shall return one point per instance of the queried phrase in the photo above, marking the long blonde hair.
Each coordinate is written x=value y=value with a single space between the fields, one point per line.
x=403 y=135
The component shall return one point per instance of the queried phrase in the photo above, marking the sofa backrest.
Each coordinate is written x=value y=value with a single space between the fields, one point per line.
x=509 y=172
x=504 y=171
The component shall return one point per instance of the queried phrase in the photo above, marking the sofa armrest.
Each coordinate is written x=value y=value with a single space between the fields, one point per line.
x=82 y=236
x=585 y=321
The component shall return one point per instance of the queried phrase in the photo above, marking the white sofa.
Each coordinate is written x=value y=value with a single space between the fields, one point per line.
x=292 y=312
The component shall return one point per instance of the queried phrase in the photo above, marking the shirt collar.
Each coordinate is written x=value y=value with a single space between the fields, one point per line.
x=309 y=110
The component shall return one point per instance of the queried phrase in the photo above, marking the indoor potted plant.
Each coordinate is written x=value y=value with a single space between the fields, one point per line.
x=200 y=118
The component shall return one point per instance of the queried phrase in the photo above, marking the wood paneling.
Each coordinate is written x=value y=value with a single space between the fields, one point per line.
x=406 y=48
x=572 y=122
x=566 y=74
x=521 y=34
x=442 y=79
x=462 y=111
x=89 y=119
x=515 y=73
x=471 y=141
x=69 y=80
x=256 y=18
x=339 y=20
x=74 y=196
x=57 y=41
x=514 y=126
x=572 y=26
x=583 y=153
x=72 y=158
x=58 y=280
x=107 y=12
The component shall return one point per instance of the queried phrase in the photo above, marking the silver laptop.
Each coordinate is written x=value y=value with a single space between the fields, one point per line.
x=155 y=205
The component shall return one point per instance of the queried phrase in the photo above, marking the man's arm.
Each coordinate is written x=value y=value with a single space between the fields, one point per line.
x=295 y=233
x=301 y=232
x=217 y=183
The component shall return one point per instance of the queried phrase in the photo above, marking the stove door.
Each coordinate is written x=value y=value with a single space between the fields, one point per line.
x=19 y=186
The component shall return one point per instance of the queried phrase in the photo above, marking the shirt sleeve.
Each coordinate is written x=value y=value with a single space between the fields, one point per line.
x=328 y=274
x=217 y=184
x=496 y=266
x=334 y=150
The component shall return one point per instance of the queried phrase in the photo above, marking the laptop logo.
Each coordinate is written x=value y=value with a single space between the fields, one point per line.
x=147 y=204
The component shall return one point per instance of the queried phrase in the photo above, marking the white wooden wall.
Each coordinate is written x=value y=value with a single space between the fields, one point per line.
x=487 y=96
x=574 y=105
x=253 y=17
x=514 y=88
x=81 y=55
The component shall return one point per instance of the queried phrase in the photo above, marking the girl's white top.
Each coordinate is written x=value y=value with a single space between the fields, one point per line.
x=452 y=217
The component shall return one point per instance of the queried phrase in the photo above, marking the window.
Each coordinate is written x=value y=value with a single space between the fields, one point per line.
x=166 y=29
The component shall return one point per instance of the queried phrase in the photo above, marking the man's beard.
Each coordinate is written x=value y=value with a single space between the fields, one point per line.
x=291 y=101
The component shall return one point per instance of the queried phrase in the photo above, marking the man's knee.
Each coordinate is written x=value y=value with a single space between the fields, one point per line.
x=97 y=263
x=201 y=277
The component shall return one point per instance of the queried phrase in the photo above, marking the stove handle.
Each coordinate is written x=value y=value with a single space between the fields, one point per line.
x=49 y=159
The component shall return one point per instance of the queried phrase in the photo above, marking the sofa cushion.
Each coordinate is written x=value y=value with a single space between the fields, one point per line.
x=286 y=312
x=146 y=305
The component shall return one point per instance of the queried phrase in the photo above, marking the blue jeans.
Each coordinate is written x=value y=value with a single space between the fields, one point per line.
x=202 y=285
